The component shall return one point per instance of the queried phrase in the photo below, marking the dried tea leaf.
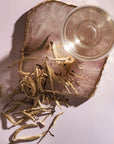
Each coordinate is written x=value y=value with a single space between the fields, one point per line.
x=55 y=50
x=9 y=118
x=22 y=128
x=62 y=59
x=23 y=59
x=41 y=108
x=50 y=126
x=20 y=103
x=13 y=93
x=39 y=102
x=30 y=138
x=77 y=76
x=28 y=86
x=72 y=87
x=23 y=119
x=38 y=111
x=58 y=104
x=54 y=120
x=41 y=124
x=69 y=60
x=51 y=75
x=39 y=78
x=28 y=115
x=51 y=134
x=67 y=64
x=23 y=73
x=7 y=104
x=56 y=54
x=46 y=117
x=67 y=89
x=40 y=47
x=1 y=90
x=12 y=109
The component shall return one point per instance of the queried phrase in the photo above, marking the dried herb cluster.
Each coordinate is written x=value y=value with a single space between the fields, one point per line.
x=37 y=99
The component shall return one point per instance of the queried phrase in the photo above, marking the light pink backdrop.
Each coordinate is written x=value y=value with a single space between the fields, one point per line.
x=90 y=123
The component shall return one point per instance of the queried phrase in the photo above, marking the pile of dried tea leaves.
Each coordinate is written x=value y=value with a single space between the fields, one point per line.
x=38 y=93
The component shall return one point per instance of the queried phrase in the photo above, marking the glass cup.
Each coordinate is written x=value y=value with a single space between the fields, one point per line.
x=88 y=33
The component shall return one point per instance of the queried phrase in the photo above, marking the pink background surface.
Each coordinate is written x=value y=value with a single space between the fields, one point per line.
x=90 y=123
